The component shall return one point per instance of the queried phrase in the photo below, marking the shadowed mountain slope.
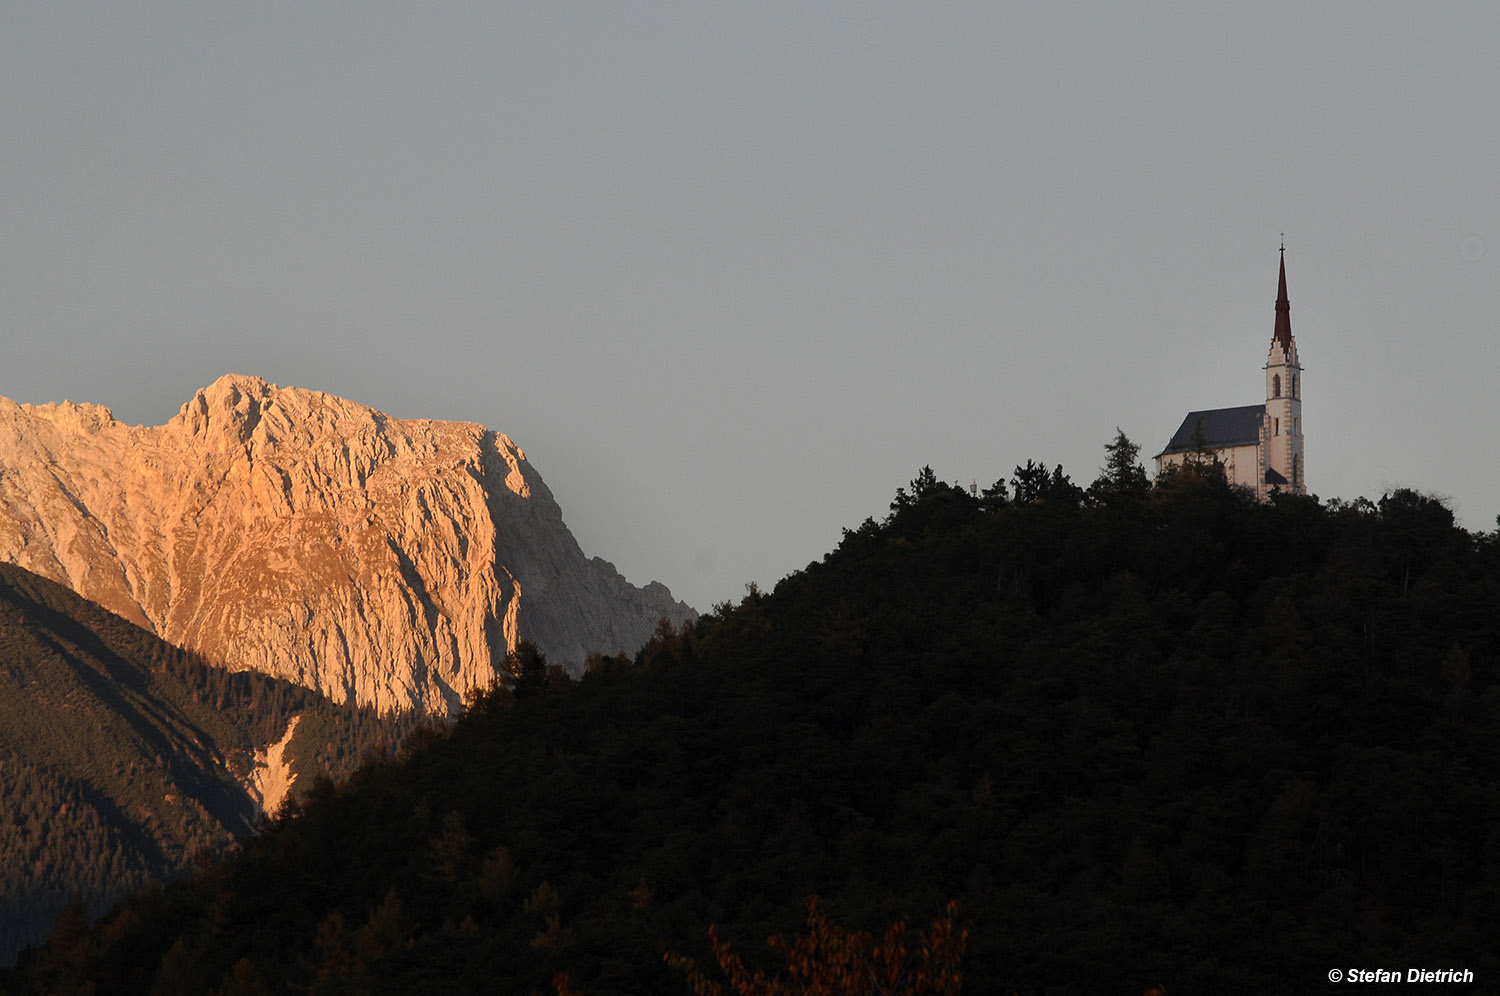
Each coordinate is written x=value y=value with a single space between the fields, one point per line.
x=122 y=756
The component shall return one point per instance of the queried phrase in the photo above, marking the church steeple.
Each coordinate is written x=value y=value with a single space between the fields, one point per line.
x=1283 y=333
x=1260 y=446
x=1282 y=445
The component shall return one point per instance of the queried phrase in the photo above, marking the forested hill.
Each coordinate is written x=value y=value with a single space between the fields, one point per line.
x=122 y=756
x=1144 y=737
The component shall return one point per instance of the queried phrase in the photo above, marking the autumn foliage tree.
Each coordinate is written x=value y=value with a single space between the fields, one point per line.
x=833 y=960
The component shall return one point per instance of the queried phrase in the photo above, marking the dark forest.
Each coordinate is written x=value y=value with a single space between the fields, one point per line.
x=1140 y=736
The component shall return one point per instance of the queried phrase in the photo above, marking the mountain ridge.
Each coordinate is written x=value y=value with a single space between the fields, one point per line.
x=390 y=561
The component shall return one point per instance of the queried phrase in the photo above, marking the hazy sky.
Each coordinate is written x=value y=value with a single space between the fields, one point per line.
x=732 y=273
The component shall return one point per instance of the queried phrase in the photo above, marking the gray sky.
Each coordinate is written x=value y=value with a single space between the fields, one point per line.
x=732 y=273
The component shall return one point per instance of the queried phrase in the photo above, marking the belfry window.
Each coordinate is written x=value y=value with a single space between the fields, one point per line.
x=1276 y=385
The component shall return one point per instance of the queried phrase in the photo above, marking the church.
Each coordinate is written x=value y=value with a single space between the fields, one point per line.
x=1259 y=445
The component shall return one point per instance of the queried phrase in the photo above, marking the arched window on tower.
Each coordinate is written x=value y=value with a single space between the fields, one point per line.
x=1276 y=385
x=1294 y=385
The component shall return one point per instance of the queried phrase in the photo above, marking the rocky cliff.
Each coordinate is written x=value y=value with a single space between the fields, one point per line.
x=303 y=535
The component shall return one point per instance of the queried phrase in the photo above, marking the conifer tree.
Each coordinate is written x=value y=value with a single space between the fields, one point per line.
x=1122 y=474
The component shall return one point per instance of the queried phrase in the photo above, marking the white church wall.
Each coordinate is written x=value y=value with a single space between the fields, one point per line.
x=1241 y=464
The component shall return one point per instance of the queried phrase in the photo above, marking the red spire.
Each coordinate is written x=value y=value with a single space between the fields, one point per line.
x=1283 y=333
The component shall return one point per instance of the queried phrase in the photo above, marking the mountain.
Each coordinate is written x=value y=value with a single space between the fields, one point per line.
x=1162 y=739
x=388 y=561
x=121 y=756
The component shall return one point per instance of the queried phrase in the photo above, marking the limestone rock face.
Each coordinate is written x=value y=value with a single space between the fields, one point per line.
x=292 y=532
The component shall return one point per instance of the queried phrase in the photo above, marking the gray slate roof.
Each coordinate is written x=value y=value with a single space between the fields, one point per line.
x=1222 y=427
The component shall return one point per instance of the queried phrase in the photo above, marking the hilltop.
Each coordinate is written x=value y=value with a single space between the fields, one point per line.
x=1142 y=735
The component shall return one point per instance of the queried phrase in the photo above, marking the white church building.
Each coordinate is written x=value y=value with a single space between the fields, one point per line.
x=1259 y=445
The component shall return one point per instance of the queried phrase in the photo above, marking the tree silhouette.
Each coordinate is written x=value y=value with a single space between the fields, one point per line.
x=1122 y=474
x=526 y=666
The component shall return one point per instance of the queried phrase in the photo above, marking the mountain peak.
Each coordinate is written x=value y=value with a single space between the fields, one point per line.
x=390 y=561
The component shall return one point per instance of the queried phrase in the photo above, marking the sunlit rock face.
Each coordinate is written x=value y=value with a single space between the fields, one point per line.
x=387 y=560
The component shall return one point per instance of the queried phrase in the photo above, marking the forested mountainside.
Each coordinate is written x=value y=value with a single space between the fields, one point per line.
x=122 y=757
x=1145 y=737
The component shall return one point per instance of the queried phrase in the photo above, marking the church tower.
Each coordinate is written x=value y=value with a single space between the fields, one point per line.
x=1281 y=432
x=1260 y=445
